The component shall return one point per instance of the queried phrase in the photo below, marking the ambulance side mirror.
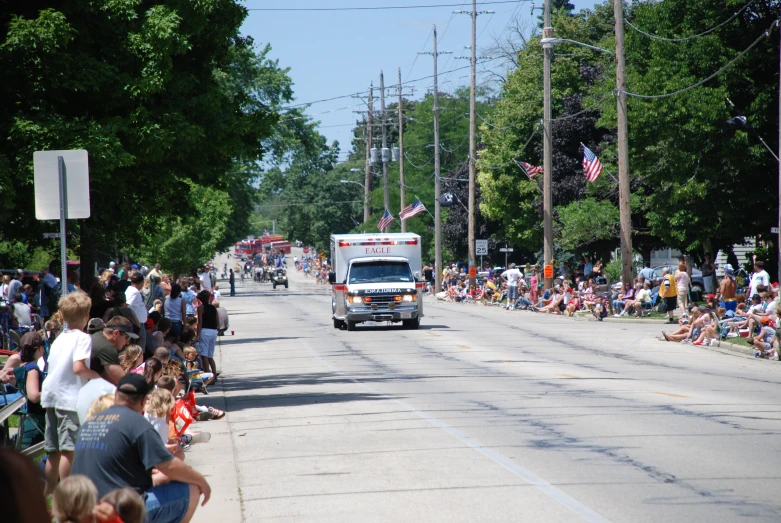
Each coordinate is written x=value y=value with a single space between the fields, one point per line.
x=331 y=278
x=417 y=275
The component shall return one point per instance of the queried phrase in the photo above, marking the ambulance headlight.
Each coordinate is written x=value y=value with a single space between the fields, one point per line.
x=409 y=297
x=356 y=299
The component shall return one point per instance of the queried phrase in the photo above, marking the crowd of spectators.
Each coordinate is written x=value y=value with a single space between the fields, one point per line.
x=727 y=310
x=110 y=382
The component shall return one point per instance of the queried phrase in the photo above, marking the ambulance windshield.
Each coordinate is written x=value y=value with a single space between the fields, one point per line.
x=380 y=272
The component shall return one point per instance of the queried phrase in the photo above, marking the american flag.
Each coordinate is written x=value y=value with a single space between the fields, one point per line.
x=386 y=220
x=592 y=168
x=411 y=210
x=530 y=170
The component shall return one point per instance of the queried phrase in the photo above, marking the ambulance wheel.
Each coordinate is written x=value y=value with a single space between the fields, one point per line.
x=411 y=324
x=338 y=324
x=350 y=325
x=286 y=285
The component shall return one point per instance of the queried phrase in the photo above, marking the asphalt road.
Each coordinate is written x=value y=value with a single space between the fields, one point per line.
x=490 y=415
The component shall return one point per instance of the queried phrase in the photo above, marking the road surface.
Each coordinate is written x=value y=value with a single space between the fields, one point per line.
x=490 y=415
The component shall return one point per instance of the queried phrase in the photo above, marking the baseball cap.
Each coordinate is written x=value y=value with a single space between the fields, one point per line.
x=728 y=267
x=755 y=297
x=127 y=329
x=134 y=266
x=95 y=325
x=134 y=384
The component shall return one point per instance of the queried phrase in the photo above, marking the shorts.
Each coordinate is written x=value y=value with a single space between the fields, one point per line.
x=62 y=426
x=766 y=347
x=671 y=303
x=167 y=503
x=512 y=292
x=176 y=327
x=206 y=344
x=731 y=305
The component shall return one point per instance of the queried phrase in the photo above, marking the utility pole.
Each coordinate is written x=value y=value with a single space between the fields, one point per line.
x=367 y=191
x=402 y=192
x=472 y=146
x=437 y=181
x=384 y=152
x=627 y=273
x=778 y=240
x=472 y=139
x=547 y=165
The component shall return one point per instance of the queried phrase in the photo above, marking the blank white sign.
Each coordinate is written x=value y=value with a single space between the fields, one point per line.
x=47 y=187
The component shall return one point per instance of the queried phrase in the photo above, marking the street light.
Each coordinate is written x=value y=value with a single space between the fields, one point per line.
x=356 y=183
x=550 y=42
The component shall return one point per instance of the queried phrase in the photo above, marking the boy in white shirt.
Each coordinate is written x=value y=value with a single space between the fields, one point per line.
x=68 y=372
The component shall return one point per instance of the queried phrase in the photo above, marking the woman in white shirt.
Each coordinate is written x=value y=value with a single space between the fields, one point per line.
x=683 y=280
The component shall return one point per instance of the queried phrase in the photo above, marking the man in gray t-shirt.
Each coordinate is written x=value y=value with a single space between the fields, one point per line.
x=119 y=448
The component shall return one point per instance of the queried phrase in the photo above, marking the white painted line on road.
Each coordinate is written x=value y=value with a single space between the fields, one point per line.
x=518 y=470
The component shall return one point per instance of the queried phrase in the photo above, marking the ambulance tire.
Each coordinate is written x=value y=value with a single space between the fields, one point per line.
x=411 y=324
x=350 y=325
x=286 y=285
x=338 y=324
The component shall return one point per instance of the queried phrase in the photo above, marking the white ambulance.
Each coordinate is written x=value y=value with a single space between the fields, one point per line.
x=377 y=277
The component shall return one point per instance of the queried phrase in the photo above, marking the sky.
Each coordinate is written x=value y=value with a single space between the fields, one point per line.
x=337 y=53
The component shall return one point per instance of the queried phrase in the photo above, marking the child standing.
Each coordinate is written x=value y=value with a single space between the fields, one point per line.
x=68 y=372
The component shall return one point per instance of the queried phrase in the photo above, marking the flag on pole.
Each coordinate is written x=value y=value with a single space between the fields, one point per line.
x=386 y=220
x=592 y=167
x=413 y=209
x=530 y=170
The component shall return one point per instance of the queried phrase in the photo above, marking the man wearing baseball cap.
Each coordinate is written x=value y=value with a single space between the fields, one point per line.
x=106 y=344
x=119 y=448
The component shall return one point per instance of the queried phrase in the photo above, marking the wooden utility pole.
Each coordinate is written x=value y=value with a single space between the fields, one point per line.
x=778 y=239
x=402 y=192
x=384 y=151
x=547 y=165
x=437 y=180
x=367 y=187
x=472 y=145
x=627 y=274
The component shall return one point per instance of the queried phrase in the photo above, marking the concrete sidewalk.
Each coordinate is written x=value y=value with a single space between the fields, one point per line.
x=216 y=459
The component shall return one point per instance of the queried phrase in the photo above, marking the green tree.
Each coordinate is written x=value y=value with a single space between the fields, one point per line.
x=163 y=94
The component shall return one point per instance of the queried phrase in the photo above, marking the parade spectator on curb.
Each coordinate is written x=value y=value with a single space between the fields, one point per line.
x=668 y=291
x=512 y=276
x=15 y=285
x=176 y=310
x=68 y=372
x=205 y=279
x=643 y=299
x=119 y=448
x=763 y=342
x=106 y=344
x=728 y=289
x=135 y=301
x=682 y=282
x=48 y=290
x=759 y=278
x=222 y=318
x=688 y=328
x=21 y=497
x=207 y=332
x=708 y=269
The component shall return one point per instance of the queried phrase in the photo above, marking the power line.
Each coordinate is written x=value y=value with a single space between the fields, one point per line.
x=725 y=22
x=714 y=75
x=304 y=204
x=294 y=106
x=372 y=8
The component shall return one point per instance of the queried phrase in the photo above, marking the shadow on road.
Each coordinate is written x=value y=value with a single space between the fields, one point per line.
x=253 y=401
x=236 y=341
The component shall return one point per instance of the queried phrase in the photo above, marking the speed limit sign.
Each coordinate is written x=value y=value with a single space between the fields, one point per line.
x=481 y=247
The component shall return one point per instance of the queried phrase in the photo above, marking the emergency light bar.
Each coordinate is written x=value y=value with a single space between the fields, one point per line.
x=379 y=241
